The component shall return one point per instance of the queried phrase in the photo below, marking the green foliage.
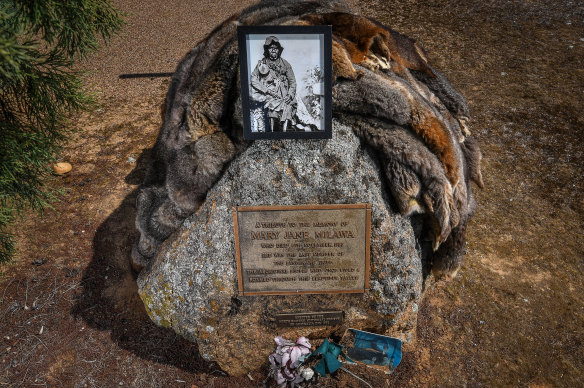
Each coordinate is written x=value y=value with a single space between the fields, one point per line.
x=39 y=43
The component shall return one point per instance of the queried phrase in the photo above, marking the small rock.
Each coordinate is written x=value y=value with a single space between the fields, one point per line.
x=131 y=159
x=62 y=168
x=39 y=262
x=503 y=73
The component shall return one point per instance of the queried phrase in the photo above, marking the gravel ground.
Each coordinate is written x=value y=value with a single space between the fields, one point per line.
x=514 y=316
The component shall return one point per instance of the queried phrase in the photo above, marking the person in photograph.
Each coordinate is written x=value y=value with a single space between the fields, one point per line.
x=273 y=83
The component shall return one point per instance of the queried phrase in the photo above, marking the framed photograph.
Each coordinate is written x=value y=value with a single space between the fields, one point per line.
x=286 y=87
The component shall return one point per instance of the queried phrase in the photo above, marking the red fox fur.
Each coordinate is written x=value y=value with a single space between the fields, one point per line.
x=355 y=39
x=362 y=36
x=404 y=116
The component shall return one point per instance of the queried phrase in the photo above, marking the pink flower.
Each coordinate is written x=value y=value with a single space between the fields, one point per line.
x=286 y=359
x=301 y=348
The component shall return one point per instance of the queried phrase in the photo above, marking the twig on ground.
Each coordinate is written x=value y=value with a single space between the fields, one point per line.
x=26 y=296
x=145 y=75
x=55 y=292
x=34 y=317
x=357 y=377
x=5 y=288
x=89 y=308
x=41 y=381
x=41 y=341
x=97 y=368
x=18 y=287
x=24 y=378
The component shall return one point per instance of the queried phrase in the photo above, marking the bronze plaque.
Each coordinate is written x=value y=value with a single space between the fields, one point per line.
x=323 y=318
x=308 y=249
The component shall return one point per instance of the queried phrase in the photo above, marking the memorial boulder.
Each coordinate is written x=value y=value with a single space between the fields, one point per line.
x=242 y=241
x=192 y=285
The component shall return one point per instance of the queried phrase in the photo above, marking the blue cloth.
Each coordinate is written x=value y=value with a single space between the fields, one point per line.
x=389 y=347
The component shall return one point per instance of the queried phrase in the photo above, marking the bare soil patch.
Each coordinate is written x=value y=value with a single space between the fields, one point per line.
x=514 y=316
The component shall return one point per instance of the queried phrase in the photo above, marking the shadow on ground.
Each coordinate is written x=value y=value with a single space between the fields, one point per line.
x=110 y=301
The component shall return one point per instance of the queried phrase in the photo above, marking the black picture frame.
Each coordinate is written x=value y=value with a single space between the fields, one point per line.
x=268 y=98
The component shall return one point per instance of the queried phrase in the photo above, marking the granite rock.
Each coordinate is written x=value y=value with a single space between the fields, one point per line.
x=191 y=285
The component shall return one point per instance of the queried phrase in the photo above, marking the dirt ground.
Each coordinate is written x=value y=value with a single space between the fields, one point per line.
x=514 y=316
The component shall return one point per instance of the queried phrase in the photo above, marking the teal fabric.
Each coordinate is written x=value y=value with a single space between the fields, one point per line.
x=330 y=358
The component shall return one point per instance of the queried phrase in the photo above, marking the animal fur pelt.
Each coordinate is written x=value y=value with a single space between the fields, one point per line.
x=383 y=87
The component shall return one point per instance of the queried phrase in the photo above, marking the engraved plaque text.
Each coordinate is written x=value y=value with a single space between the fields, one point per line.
x=323 y=318
x=302 y=249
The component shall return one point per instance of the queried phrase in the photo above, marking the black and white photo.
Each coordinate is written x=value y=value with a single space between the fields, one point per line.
x=286 y=81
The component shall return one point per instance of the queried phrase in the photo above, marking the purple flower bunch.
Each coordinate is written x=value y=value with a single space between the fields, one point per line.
x=285 y=362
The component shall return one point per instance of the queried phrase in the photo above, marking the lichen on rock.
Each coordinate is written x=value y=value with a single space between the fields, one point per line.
x=193 y=284
x=400 y=142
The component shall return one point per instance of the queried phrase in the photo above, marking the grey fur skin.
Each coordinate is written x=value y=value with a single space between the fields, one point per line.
x=445 y=92
x=202 y=132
